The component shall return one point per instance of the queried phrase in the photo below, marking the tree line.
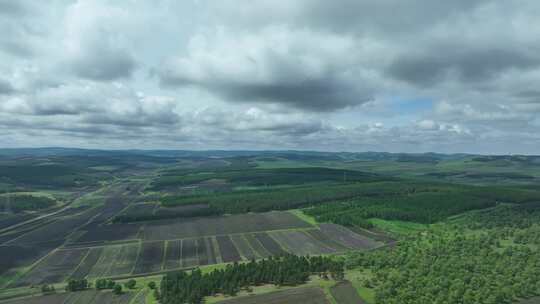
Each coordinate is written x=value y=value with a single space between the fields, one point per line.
x=183 y=287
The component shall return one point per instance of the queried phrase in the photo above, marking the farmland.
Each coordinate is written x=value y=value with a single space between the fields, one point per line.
x=309 y=295
x=178 y=213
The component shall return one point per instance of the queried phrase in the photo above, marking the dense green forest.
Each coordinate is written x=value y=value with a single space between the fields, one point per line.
x=182 y=287
x=482 y=257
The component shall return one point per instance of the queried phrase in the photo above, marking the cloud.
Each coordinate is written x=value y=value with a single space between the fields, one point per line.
x=306 y=74
x=436 y=65
x=97 y=48
x=277 y=65
x=6 y=88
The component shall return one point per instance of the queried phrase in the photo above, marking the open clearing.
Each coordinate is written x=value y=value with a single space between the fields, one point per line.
x=345 y=293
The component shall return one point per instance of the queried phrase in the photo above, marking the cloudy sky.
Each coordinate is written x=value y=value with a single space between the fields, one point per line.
x=351 y=75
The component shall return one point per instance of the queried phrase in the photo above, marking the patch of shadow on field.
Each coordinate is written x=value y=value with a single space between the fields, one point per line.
x=115 y=232
x=345 y=293
x=304 y=295
x=13 y=256
x=54 y=268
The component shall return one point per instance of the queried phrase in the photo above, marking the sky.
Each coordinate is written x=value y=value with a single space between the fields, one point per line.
x=350 y=75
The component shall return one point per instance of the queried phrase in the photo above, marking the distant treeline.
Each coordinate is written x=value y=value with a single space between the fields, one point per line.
x=23 y=202
x=262 y=177
x=291 y=198
x=183 y=287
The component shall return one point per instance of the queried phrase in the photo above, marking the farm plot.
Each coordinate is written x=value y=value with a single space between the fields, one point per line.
x=221 y=225
x=55 y=268
x=305 y=295
x=139 y=209
x=347 y=237
x=173 y=255
x=189 y=253
x=150 y=258
x=213 y=257
x=87 y=263
x=11 y=220
x=57 y=230
x=269 y=244
x=300 y=243
x=125 y=260
x=105 y=262
x=103 y=233
x=345 y=293
x=227 y=249
x=51 y=299
x=244 y=248
x=256 y=245
x=318 y=235
x=98 y=297
x=13 y=256
x=202 y=253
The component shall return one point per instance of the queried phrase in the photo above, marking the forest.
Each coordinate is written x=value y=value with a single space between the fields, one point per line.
x=182 y=287
x=494 y=260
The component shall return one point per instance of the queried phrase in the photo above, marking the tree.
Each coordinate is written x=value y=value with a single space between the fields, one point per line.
x=117 y=289
x=152 y=285
x=76 y=285
x=131 y=284
x=46 y=289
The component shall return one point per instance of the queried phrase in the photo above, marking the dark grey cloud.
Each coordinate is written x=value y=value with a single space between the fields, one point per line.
x=13 y=8
x=317 y=95
x=437 y=64
x=6 y=88
x=104 y=64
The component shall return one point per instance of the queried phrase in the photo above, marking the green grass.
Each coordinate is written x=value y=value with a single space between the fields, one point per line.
x=300 y=214
x=399 y=227
x=356 y=277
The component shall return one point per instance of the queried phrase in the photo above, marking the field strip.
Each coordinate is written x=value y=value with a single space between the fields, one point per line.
x=217 y=252
x=320 y=243
x=255 y=252
x=197 y=251
x=285 y=248
x=138 y=256
x=80 y=263
x=164 y=256
x=114 y=259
